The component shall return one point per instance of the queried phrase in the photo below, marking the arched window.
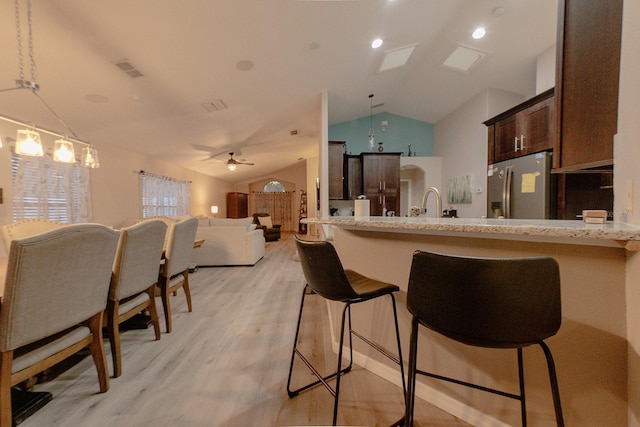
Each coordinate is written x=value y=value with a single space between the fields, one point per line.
x=273 y=187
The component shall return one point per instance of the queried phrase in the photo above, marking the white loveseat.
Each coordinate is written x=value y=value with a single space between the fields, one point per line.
x=228 y=241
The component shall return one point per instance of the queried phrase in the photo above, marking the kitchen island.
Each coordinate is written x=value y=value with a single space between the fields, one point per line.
x=590 y=350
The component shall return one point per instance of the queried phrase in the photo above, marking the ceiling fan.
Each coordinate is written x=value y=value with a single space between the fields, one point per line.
x=232 y=164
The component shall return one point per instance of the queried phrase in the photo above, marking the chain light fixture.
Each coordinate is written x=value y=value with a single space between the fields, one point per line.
x=28 y=140
x=372 y=141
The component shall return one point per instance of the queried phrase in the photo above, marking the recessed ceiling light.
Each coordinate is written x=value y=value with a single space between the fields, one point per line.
x=478 y=33
x=376 y=43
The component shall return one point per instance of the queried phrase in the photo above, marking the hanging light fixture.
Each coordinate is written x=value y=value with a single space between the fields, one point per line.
x=372 y=141
x=90 y=157
x=28 y=143
x=28 y=140
x=63 y=151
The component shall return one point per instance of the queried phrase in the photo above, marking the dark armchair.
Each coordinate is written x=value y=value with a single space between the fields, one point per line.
x=271 y=231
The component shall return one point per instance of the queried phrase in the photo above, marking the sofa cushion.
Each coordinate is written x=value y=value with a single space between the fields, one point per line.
x=229 y=222
x=266 y=221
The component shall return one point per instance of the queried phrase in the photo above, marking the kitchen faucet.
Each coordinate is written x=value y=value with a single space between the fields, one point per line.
x=435 y=191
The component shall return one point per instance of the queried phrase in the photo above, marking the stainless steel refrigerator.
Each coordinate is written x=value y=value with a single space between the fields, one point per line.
x=522 y=188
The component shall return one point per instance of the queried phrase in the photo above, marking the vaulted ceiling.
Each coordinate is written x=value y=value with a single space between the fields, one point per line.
x=265 y=62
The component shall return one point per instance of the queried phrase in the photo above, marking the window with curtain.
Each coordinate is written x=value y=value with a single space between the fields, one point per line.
x=164 y=196
x=43 y=188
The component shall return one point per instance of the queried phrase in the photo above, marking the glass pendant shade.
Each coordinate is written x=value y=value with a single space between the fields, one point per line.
x=90 y=157
x=231 y=166
x=63 y=151
x=28 y=143
x=371 y=139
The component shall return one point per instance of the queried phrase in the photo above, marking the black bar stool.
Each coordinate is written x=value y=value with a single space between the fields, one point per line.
x=326 y=277
x=485 y=302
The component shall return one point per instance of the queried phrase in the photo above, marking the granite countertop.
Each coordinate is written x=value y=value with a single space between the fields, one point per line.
x=564 y=231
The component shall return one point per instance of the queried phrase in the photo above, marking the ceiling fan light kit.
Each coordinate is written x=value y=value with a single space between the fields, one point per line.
x=232 y=164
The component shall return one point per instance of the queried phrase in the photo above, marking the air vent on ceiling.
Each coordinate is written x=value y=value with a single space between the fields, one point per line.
x=126 y=66
x=216 y=105
x=464 y=59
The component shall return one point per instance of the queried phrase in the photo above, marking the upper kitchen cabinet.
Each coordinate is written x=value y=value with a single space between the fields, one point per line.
x=336 y=167
x=587 y=75
x=352 y=174
x=524 y=129
x=381 y=181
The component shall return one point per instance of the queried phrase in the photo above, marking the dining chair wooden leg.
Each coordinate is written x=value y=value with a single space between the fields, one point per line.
x=187 y=291
x=166 y=303
x=97 y=351
x=6 y=359
x=113 y=330
x=153 y=311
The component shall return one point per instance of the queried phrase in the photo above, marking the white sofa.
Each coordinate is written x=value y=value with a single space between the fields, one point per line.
x=228 y=241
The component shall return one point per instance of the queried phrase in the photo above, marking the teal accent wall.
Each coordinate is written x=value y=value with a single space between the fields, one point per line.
x=401 y=131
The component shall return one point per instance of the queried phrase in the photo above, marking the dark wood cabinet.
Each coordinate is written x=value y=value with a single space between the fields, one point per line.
x=352 y=174
x=381 y=181
x=525 y=129
x=587 y=78
x=336 y=167
x=237 y=205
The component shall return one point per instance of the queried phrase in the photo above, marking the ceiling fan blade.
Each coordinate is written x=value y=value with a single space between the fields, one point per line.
x=245 y=163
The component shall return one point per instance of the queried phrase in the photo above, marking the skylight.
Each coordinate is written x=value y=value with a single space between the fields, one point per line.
x=464 y=59
x=396 y=58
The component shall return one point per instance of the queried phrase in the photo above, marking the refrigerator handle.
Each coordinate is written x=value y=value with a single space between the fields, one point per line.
x=507 y=192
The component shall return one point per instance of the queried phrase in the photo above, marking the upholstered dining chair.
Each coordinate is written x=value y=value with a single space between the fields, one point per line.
x=53 y=303
x=26 y=228
x=134 y=279
x=174 y=273
x=500 y=303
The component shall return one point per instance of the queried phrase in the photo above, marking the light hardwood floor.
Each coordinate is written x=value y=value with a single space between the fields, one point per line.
x=226 y=363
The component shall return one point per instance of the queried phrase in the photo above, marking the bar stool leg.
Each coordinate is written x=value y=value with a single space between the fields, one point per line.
x=411 y=393
x=347 y=308
x=295 y=343
x=523 y=404
x=553 y=379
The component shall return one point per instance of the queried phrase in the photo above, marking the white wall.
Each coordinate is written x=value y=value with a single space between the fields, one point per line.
x=546 y=69
x=461 y=143
x=424 y=172
x=627 y=175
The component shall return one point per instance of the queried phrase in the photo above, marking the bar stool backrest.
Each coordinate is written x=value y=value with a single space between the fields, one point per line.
x=323 y=270
x=486 y=302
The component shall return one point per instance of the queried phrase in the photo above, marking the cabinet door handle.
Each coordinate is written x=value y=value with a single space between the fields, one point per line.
x=516 y=144
x=521 y=142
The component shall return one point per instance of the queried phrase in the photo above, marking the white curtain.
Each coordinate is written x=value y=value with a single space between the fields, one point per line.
x=43 y=188
x=164 y=196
